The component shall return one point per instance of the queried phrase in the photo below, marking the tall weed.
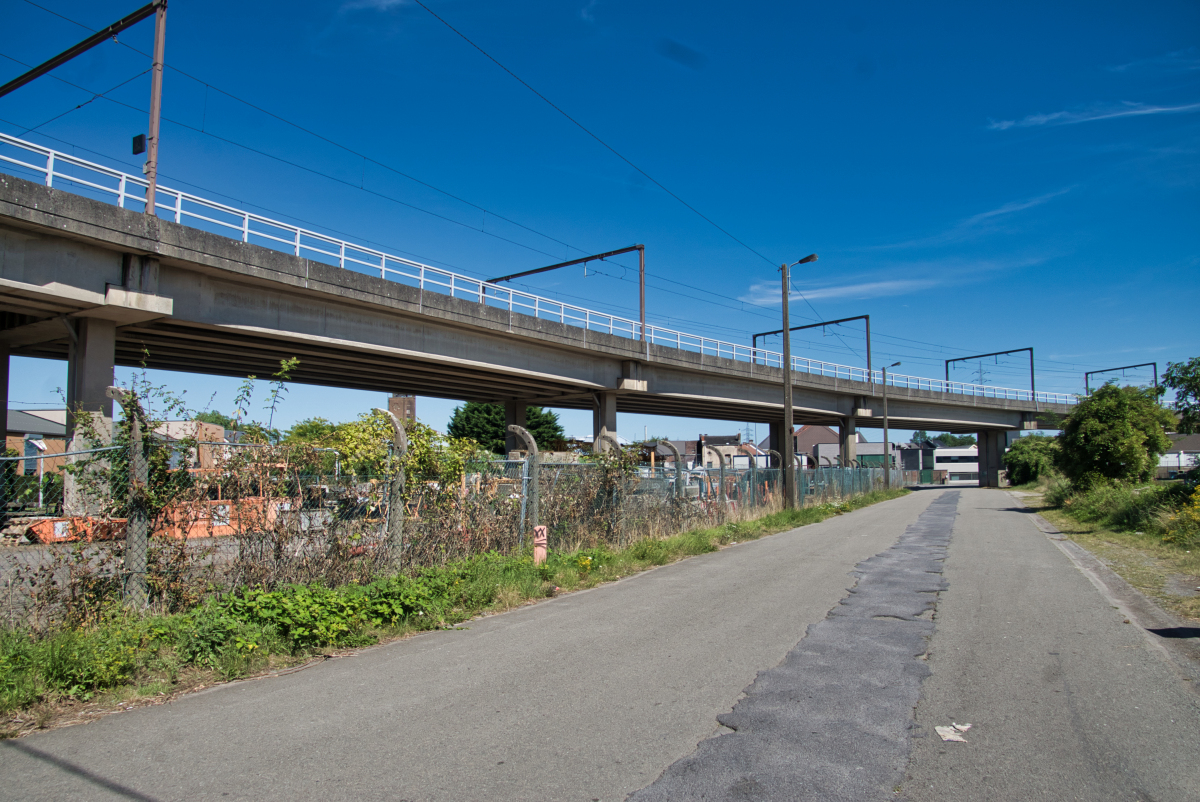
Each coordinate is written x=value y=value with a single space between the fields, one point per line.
x=1144 y=508
x=1183 y=528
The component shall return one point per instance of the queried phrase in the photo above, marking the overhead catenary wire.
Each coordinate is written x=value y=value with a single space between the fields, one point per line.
x=84 y=103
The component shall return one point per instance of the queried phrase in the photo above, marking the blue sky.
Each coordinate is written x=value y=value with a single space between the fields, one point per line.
x=976 y=177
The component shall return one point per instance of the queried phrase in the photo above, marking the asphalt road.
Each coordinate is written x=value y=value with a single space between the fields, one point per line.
x=1065 y=699
x=618 y=690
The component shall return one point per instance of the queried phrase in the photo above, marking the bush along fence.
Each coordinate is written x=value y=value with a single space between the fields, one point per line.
x=164 y=524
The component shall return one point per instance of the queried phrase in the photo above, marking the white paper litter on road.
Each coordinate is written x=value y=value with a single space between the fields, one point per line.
x=952 y=733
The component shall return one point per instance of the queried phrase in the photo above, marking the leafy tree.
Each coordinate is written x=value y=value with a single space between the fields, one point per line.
x=954 y=440
x=1030 y=457
x=311 y=430
x=212 y=416
x=1184 y=379
x=432 y=457
x=1115 y=434
x=484 y=423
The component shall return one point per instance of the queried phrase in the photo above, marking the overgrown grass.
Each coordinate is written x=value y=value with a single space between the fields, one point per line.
x=1139 y=508
x=125 y=656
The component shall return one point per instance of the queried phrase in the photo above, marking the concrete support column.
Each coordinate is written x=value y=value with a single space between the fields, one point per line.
x=991 y=454
x=604 y=418
x=89 y=408
x=848 y=441
x=775 y=441
x=90 y=374
x=514 y=415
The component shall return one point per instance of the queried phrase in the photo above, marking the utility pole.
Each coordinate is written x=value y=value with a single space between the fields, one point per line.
x=156 y=76
x=788 y=446
x=887 y=446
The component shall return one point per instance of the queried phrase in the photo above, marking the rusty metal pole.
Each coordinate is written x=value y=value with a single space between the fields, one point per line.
x=395 y=517
x=641 y=249
x=156 y=78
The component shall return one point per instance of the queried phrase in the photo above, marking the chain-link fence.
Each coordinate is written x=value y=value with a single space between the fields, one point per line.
x=165 y=526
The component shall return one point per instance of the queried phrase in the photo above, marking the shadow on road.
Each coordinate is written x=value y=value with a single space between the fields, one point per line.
x=1177 y=632
x=77 y=771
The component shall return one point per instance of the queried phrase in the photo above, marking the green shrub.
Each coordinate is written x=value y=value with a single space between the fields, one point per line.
x=651 y=551
x=205 y=636
x=303 y=616
x=1030 y=458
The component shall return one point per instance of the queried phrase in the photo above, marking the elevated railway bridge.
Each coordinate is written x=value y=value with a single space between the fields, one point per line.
x=203 y=287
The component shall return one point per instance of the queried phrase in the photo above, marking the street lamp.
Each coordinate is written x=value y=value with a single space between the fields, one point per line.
x=788 y=446
x=887 y=449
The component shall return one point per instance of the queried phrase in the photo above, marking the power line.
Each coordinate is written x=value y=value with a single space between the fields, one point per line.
x=378 y=163
x=312 y=170
x=81 y=105
x=458 y=198
x=583 y=128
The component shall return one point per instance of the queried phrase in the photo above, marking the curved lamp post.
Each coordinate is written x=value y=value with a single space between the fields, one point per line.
x=789 y=444
x=395 y=519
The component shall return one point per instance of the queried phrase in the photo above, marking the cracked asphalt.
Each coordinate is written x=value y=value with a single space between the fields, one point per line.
x=808 y=665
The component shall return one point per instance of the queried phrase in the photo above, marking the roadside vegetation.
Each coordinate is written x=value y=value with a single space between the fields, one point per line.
x=1096 y=484
x=115 y=657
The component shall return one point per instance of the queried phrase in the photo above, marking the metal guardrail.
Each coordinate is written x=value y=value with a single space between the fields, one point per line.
x=129 y=191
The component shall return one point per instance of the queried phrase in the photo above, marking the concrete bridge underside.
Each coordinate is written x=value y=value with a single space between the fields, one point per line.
x=96 y=285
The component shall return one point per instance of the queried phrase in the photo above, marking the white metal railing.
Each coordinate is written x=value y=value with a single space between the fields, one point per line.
x=129 y=191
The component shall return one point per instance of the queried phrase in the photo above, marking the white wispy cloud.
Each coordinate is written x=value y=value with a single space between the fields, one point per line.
x=586 y=14
x=766 y=293
x=976 y=224
x=1011 y=208
x=372 y=5
x=877 y=283
x=1175 y=61
x=1140 y=349
x=1106 y=111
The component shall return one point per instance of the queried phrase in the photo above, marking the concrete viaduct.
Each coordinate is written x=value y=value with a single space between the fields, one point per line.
x=99 y=286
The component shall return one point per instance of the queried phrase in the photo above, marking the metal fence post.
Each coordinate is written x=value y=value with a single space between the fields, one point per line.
x=678 y=468
x=754 y=499
x=395 y=516
x=724 y=497
x=524 y=501
x=137 y=521
x=531 y=446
